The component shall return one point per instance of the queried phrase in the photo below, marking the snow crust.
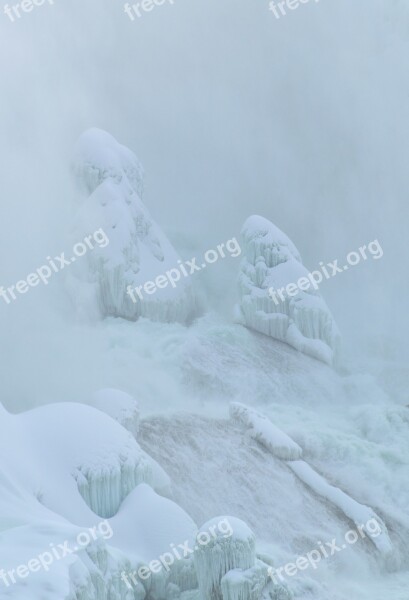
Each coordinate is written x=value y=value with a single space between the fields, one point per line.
x=270 y=260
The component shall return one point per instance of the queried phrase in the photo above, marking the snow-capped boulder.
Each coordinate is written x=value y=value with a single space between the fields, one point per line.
x=298 y=317
x=130 y=250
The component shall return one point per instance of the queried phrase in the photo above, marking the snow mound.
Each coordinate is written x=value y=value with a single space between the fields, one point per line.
x=262 y=429
x=132 y=250
x=271 y=262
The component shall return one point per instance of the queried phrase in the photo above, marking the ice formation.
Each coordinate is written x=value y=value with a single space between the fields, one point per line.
x=262 y=429
x=137 y=252
x=222 y=554
x=270 y=260
x=245 y=584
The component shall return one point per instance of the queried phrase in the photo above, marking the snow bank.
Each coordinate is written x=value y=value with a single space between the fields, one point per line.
x=270 y=260
x=138 y=251
x=262 y=429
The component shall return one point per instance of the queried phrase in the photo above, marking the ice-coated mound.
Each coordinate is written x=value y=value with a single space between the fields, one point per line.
x=271 y=262
x=131 y=249
x=218 y=551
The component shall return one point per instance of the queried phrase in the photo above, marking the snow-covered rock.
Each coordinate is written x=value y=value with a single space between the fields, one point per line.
x=262 y=429
x=133 y=252
x=271 y=262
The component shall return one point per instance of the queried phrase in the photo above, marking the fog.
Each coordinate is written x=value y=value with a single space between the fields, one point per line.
x=302 y=119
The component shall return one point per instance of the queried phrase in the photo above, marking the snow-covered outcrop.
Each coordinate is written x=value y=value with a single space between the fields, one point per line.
x=262 y=429
x=137 y=250
x=271 y=262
